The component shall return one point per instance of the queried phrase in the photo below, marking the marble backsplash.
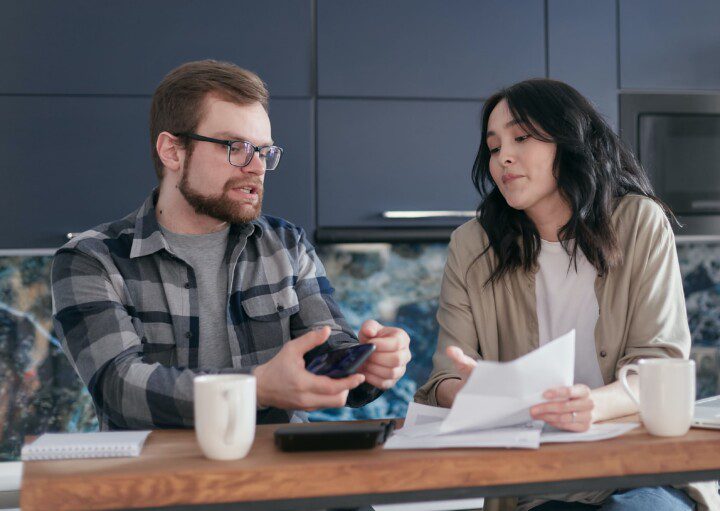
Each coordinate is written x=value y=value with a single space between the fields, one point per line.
x=396 y=284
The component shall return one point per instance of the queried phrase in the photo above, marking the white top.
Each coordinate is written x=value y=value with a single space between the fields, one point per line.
x=565 y=300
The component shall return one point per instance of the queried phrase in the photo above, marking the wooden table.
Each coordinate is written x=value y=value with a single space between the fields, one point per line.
x=172 y=472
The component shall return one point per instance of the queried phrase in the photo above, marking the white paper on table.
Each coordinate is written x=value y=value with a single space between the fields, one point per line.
x=493 y=408
x=422 y=420
x=499 y=394
x=595 y=433
x=521 y=437
x=421 y=430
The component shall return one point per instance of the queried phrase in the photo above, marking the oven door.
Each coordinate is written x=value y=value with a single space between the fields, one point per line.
x=681 y=153
x=676 y=137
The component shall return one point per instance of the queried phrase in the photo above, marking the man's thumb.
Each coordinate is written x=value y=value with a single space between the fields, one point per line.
x=313 y=338
x=369 y=329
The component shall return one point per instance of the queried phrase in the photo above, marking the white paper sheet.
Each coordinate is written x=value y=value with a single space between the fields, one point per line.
x=493 y=408
x=500 y=394
x=519 y=437
x=601 y=431
x=422 y=431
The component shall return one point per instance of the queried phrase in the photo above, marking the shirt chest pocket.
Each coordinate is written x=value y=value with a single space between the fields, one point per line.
x=272 y=307
x=267 y=326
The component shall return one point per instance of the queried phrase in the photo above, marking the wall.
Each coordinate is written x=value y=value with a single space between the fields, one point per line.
x=397 y=284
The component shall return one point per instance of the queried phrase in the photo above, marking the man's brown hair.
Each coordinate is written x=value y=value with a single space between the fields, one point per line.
x=177 y=105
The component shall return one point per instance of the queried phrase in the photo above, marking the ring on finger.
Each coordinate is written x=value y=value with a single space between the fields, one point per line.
x=574 y=414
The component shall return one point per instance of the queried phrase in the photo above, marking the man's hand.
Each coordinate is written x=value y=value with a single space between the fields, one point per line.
x=392 y=353
x=283 y=381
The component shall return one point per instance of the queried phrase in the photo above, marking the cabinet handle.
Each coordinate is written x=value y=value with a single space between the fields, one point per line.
x=705 y=204
x=71 y=235
x=428 y=214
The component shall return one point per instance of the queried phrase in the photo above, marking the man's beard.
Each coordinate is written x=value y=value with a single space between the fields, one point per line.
x=221 y=206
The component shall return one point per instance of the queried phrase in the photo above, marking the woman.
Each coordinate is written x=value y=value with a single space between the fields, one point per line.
x=569 y=236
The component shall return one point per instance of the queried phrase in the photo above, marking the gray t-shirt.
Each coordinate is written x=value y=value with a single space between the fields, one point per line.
x=206 y=254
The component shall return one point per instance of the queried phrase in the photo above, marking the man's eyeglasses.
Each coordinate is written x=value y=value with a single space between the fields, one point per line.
x=241 y=152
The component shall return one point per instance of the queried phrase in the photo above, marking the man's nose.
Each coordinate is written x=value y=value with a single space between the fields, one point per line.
x=256 y=165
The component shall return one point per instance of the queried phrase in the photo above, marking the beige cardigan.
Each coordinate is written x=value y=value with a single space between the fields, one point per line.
x=641 y=308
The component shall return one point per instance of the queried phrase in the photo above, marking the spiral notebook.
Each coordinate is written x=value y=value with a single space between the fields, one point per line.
x=60 y=446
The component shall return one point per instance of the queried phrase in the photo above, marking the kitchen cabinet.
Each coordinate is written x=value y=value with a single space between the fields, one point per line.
x=290 y=188
x=91 y=47
x=582 y=50
x=70 y=163
x=384 y=157
x=427 y=48
x=666 y=44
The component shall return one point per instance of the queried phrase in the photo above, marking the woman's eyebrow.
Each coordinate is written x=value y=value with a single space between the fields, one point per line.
x=507 y=125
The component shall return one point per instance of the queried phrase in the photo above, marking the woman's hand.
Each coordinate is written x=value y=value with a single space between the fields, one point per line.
x=568 y=408
x=448 y=389
x=463 y=363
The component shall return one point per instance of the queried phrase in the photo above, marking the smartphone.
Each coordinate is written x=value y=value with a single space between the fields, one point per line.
x=340 y=362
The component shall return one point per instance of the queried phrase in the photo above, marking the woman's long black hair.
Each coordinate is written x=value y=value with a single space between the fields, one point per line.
x=592 y=167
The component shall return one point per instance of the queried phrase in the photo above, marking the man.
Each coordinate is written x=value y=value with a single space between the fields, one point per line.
x=196 y=281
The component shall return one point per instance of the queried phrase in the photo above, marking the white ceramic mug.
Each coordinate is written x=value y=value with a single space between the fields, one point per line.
x=225 y=414
x=667 y=394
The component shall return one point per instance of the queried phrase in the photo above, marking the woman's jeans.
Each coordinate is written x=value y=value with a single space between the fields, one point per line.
x=658 y=498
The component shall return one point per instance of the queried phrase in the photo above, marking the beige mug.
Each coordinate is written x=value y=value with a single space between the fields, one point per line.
x=667 y=394
x=225 y=411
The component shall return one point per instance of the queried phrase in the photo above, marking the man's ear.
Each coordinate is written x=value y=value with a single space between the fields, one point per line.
x=171 y=153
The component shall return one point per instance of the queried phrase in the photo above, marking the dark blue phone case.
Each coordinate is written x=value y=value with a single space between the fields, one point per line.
x=340 y=362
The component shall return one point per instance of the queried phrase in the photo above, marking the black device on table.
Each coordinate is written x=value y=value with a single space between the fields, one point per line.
x=327 y=436
x=341 y=361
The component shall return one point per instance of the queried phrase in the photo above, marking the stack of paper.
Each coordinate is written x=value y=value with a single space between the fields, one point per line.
x=493 y=408
x=108 y=444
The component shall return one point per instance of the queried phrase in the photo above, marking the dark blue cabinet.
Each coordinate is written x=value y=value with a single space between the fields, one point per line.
x=427 y=48
x=387 y=93
x=666 y=44
x=70 y=163
x=289 y=189
x=582 y=50
x=380 y=156
x=76 y=93
x=91 y=47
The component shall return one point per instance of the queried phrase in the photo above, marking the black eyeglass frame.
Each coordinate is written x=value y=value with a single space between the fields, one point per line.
x=229 y=144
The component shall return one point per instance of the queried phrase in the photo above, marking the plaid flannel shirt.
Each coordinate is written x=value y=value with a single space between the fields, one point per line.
x=126 y=310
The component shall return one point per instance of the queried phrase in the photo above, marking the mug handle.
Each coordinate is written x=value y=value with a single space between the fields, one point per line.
x=232 y=431
x=623 y=379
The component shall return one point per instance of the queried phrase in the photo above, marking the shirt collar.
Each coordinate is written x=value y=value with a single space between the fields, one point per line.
x=148 y=238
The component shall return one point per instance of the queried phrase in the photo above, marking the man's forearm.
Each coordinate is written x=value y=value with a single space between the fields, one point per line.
x=612 y=401
x=134 y=394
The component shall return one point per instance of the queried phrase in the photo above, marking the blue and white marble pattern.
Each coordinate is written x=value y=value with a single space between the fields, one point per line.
x=39 y=390
x=396 y=284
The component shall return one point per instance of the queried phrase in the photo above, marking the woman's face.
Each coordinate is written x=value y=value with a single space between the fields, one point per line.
x=521 y=166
